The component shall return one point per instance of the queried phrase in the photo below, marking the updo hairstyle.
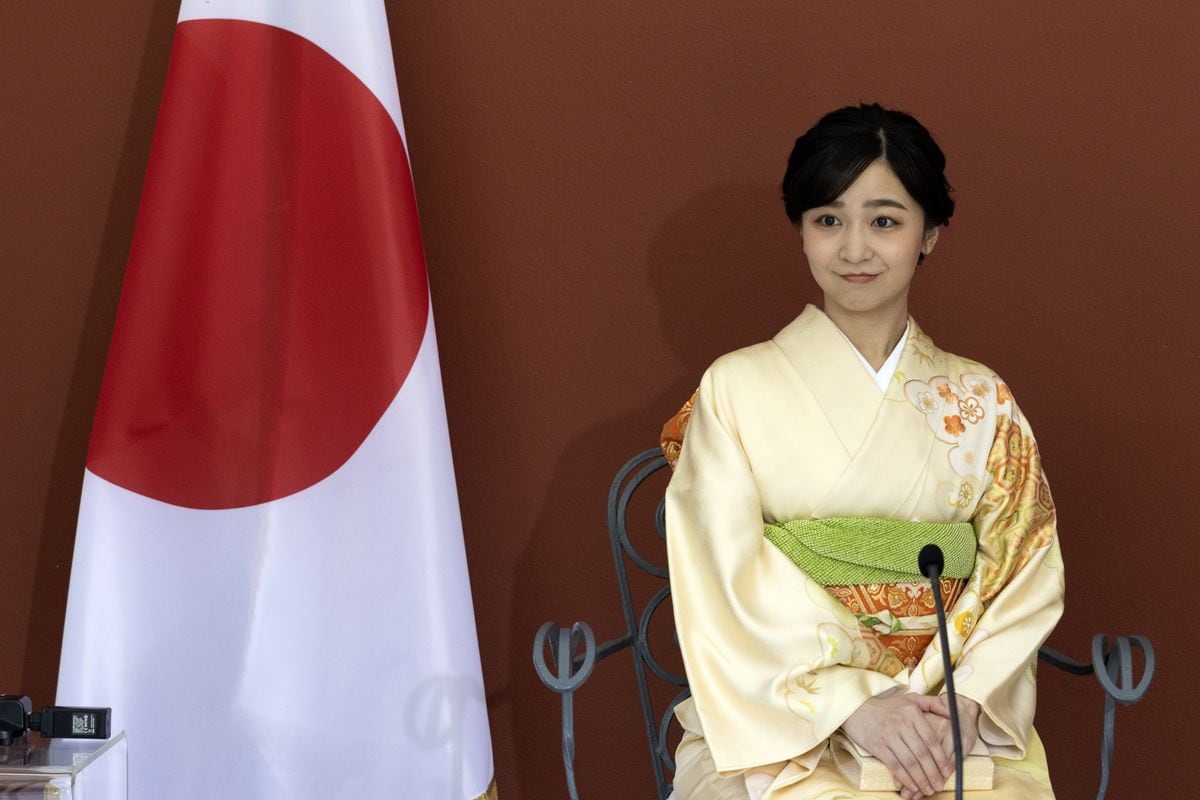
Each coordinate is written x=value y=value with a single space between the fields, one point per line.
x=833 y=153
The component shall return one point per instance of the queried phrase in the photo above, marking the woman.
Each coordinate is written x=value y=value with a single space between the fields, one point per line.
x=813 y=469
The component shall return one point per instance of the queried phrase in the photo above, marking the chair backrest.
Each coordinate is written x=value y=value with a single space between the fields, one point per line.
x=637 y=624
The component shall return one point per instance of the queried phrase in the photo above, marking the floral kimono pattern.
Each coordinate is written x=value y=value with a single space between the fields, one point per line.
x=795 y=428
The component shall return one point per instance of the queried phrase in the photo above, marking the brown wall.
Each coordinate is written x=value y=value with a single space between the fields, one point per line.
x=598 y=193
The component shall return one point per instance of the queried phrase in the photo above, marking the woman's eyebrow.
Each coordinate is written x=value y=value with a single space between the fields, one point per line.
x=877 y=203
x=884 y=201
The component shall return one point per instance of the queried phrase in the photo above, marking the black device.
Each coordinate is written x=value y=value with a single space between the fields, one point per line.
x=18 y=718
x=931 y=562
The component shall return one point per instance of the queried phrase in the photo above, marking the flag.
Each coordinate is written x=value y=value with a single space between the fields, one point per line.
x=269 y=583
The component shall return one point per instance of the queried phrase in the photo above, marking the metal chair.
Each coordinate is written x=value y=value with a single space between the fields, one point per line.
x=575 y=653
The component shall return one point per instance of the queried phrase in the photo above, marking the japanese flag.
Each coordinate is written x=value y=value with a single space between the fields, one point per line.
x=269 y=583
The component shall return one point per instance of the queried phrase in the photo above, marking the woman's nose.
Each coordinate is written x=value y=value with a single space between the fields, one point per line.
x=855 y=247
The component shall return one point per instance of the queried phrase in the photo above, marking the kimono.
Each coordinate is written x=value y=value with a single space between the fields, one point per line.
x=796 y=429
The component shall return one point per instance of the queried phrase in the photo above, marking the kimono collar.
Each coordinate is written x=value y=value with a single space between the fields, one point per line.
x=831 y=369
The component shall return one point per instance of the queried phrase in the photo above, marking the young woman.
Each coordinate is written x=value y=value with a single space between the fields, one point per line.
x=814 y=468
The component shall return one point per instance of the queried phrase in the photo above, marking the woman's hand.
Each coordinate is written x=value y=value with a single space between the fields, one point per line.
x=968 y=723
x=902 y=730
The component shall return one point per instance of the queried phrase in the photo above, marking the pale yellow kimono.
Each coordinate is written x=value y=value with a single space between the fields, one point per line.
x=796 y=428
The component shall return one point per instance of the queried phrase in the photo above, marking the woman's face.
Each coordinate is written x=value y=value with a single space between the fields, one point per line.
x=862 y=248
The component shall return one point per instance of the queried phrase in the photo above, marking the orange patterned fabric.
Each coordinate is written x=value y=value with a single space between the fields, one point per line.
x=1019 y=500
x=894 y=652
x=671 y=439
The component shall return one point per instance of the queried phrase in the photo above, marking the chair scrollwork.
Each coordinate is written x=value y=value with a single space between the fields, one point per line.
x=575 y=651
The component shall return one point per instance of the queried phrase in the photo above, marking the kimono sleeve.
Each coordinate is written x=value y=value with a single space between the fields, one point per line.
x=1019 y=581
x=768 y=652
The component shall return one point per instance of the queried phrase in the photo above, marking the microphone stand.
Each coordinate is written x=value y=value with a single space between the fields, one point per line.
x=931 y=562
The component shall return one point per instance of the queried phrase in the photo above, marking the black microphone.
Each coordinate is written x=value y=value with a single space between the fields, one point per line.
x=930 y=562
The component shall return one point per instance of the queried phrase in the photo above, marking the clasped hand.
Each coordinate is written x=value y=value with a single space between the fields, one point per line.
x=910 y=734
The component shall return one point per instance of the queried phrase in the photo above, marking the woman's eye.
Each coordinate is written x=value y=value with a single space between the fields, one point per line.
x=826 y=220
x=885 y=222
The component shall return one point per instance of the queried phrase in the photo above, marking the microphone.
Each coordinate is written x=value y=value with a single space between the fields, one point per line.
x=930 y=561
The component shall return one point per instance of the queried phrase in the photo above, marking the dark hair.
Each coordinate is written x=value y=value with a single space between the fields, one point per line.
x=833 y=153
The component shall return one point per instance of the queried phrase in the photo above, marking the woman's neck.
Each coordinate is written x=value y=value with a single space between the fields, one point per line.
x=875 y=333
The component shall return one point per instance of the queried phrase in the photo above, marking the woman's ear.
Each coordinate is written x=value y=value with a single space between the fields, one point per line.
x=931 y=237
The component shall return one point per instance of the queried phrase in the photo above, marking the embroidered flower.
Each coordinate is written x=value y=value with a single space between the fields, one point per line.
x=926 y=403
x=981 y=389
x=970 y=409
x=964 y=623
x=1002 y=394
x=947 y=393
x=966 y=493
x=954 y=425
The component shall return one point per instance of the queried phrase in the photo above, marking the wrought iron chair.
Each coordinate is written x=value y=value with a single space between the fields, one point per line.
x=575 y=653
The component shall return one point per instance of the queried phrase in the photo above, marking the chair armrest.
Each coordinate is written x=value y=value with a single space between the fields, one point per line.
x=571 y=671
x=1113 y=667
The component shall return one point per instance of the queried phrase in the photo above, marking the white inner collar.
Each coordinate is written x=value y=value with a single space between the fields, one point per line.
x=886 y=372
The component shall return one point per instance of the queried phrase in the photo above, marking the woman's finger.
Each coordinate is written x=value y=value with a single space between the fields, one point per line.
x=899 y=772
x=932 y=704
x=935 y=742
x=917 y=762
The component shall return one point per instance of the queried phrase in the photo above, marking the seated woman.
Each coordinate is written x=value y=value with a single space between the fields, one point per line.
x=812 y=468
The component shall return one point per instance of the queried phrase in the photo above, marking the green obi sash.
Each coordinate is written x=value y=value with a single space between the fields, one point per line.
x=848 y=550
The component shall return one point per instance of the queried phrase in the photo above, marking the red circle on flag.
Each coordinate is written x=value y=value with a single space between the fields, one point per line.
x=275 y=297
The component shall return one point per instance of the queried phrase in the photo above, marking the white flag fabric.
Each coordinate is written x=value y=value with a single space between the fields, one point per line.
x=269 y=585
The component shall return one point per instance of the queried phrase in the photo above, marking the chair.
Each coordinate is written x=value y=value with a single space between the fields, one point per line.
x=575 y=653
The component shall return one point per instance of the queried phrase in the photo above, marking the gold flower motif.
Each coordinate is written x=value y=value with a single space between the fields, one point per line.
x=947 y=393
x=970 y=409
x=926 y=403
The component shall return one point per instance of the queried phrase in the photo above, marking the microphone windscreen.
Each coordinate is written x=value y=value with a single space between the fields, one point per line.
x=930 y=556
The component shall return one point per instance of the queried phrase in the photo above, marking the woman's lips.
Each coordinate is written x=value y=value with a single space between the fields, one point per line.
x=859 y=278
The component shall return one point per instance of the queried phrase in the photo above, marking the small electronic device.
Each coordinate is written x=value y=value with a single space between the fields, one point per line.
x=18 y=718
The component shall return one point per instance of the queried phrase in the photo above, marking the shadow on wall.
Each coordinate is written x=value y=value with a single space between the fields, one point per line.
x=726 y=270
x=66 y=476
